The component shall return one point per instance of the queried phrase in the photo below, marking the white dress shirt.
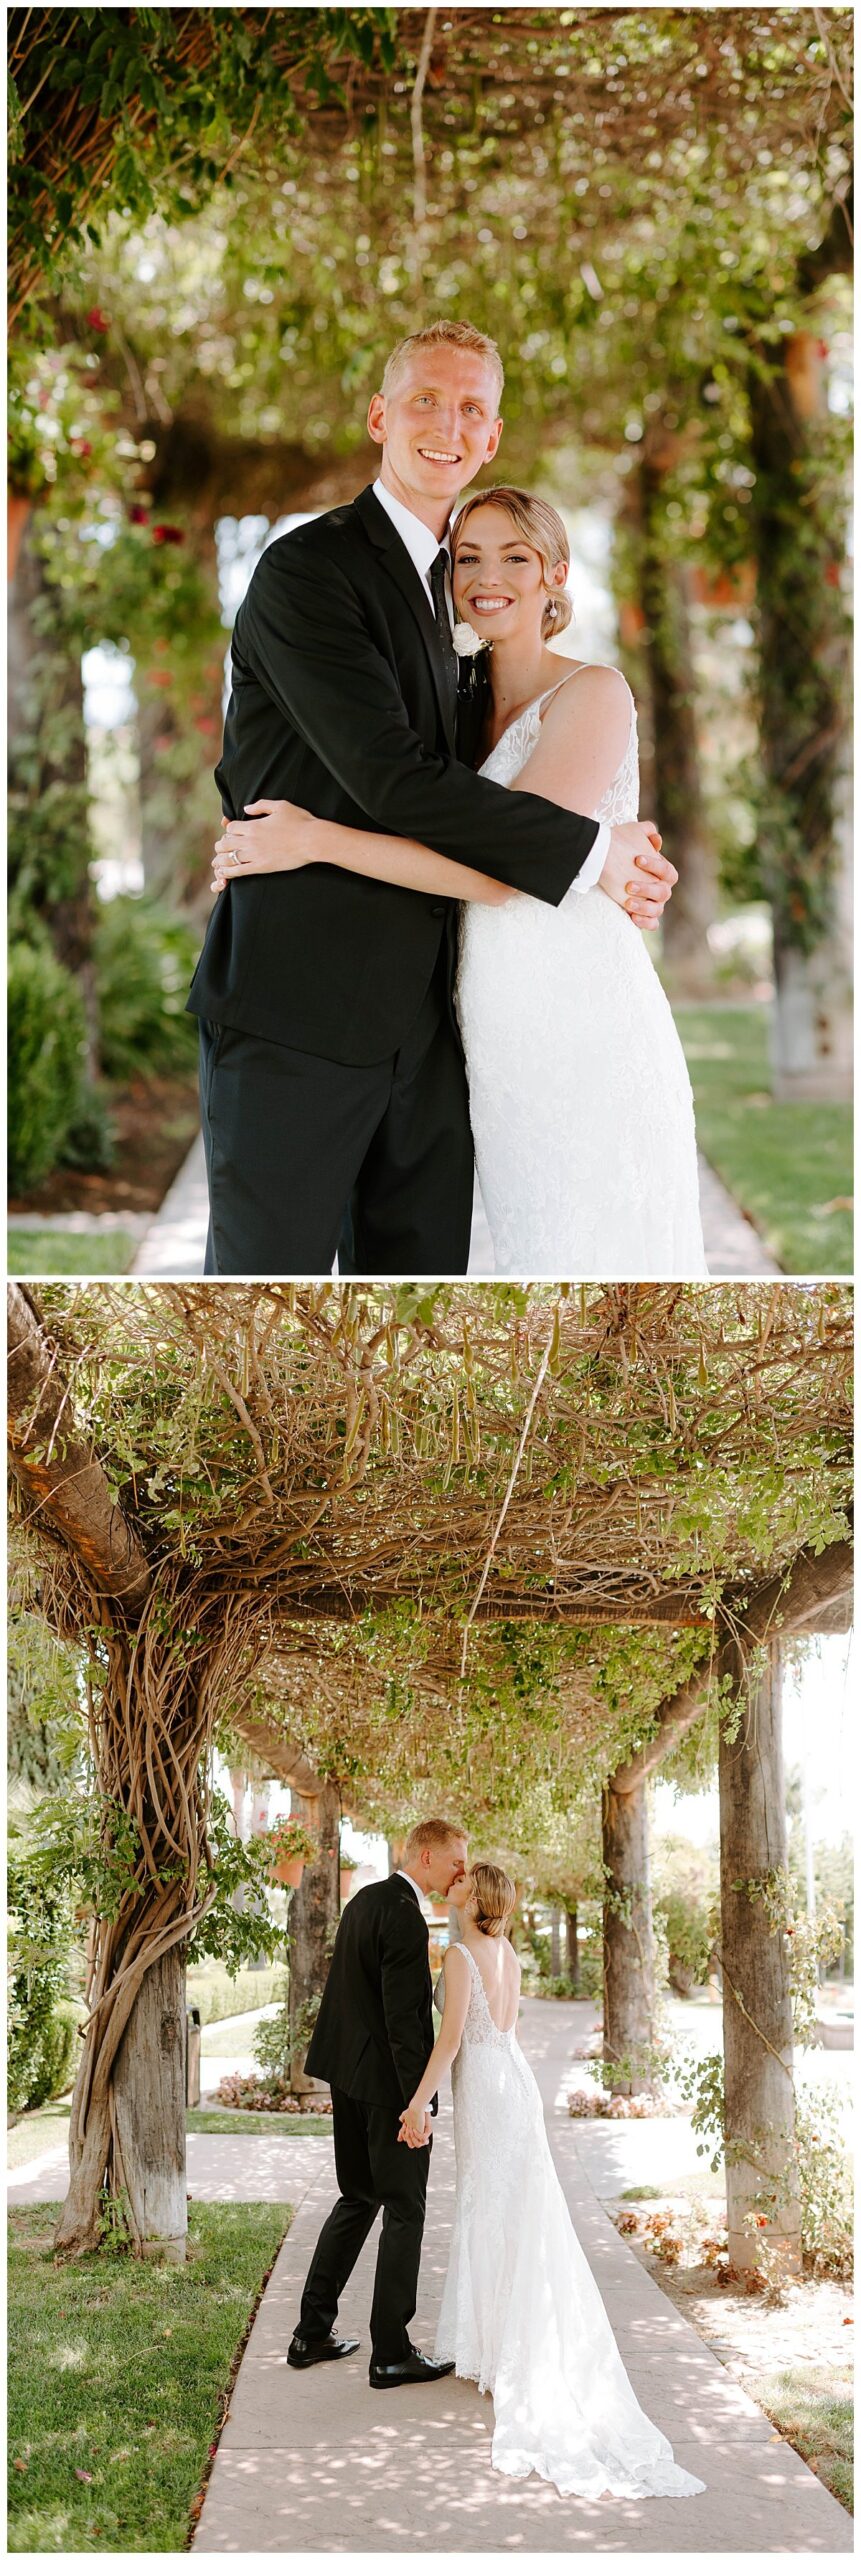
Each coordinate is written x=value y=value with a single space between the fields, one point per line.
x=401 y=1871
x=423 y=546
x=418 y=540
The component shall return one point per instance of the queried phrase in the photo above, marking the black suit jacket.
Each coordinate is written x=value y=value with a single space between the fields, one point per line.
x=339 y=703
x=374 y=2031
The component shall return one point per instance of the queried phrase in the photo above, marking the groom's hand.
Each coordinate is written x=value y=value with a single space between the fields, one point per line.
x=416 y=2127
x=637 y=875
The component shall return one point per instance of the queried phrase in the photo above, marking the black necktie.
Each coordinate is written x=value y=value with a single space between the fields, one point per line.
x=440 y=610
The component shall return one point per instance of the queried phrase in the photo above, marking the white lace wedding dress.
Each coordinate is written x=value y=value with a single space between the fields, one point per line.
x=521 y=2313
x=579 y=1097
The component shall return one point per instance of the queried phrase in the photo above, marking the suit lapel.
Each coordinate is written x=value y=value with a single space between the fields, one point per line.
x=396 y=564
x=471 y=701
x=401 y=1886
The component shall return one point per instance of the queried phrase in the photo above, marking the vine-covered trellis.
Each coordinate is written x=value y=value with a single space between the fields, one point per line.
x=651 y=210
x=276 y=1505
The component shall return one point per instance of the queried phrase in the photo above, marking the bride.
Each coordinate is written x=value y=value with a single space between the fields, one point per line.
x=579 y=1097
x=521 y=2313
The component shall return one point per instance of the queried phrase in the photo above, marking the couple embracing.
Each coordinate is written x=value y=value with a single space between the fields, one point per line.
x=521 y=2313
x=424 y=949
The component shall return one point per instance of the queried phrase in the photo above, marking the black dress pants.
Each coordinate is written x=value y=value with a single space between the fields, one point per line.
x=295 y=1142
x=373 y=2169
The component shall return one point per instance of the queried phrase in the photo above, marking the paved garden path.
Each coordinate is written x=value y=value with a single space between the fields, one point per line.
x=311 y=2462
x=173 y=1247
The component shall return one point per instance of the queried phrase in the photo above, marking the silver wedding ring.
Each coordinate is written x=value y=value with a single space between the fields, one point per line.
x=232 y=857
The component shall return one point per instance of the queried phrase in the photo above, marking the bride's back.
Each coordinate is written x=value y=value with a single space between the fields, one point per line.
x=500 y=1977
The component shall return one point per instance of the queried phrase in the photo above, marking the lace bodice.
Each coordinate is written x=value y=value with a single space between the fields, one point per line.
x=479 y=2026
x=621 y=799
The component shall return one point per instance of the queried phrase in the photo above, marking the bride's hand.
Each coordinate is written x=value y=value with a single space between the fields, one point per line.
x=414 y=2127
x=274 y=835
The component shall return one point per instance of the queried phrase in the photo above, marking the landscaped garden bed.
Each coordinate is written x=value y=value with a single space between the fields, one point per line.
x=790 y=2346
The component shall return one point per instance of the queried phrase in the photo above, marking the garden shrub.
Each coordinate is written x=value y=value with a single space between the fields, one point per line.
x=824 y=2168
x=59 y=2055
x=47 y=1045
x=685 y=1922
x=40 y=2017
x=144 y=959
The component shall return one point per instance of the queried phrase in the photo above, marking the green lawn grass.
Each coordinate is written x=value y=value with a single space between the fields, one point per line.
x=41 y=2131
x=247 y=2120
x=228 y=2037
x=785 y=1162
x=48 y=2127
x=116 y=2371
x=49 y=1250
x=814 y=2413
x=218 y=1995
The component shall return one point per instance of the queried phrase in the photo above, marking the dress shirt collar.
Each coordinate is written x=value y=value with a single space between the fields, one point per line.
x=416 y=537
x=401 y=1871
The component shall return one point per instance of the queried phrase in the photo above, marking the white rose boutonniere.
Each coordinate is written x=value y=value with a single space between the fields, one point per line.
x=467 y=642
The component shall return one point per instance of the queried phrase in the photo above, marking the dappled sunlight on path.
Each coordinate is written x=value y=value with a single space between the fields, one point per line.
x=310 y=2462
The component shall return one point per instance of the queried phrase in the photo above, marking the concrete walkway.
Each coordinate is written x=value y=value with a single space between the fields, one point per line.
x=312 y=2462
x=173 y=1246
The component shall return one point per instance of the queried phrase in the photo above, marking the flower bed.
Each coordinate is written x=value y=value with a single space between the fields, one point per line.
x=602 y=2102
x=268 y=2097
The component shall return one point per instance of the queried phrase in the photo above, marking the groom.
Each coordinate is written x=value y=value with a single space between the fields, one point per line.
x=372 y=2042
x=331 y=1068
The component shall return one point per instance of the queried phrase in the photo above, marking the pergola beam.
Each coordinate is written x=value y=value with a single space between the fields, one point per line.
x=814 y=1598
x=674 y=1607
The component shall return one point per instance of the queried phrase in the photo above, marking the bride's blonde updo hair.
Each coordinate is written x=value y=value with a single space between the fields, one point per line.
x=494 y=1897
x=545 y=533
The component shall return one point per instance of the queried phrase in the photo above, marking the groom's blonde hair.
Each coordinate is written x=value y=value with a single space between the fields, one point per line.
x=542 y=528
x=435 y=1833
x=494 y=1897
x=445 y=333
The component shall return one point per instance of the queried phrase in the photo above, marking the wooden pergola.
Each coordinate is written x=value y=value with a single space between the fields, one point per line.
x=340 y=1489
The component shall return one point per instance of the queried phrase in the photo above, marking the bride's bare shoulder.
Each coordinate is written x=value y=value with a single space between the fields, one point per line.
x=598 y=687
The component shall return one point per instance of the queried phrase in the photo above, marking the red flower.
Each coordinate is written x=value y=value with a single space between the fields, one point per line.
x=167 y=533
x=832 y=574
x=96 y=320
x=822 y=347
x=138 y=515
x=80 y=446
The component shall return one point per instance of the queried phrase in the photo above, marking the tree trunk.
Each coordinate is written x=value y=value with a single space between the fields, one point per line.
x=48 y=770
x=804 y=679
x=757 y=2015
x=629 y=1977
x=678 y=797
x=572 y=1951
x=149 y=2105
x=555 y=1943
x=179 y=735
x=313 y=1919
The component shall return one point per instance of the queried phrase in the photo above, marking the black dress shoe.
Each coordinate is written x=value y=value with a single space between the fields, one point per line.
x=305 y=2351
x=414 y=2368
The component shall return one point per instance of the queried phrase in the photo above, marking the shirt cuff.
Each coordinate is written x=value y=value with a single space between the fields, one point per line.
x=593 y=866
